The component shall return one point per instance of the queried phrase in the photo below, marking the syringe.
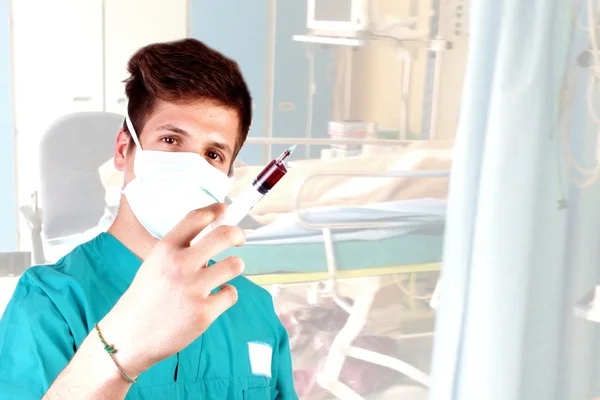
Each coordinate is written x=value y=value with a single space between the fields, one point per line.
x=245 y=202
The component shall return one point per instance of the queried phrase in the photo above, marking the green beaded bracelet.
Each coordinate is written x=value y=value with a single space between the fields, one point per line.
x=110 y=349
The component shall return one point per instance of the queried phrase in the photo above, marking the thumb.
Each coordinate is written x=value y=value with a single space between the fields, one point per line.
x=192 y=224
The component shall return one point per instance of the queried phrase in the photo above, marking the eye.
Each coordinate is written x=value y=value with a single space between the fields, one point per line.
x=214 y=156
x=169 y=140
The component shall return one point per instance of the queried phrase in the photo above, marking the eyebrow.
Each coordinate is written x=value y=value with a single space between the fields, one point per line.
x=174 y=129
x=219 y=145
x=222 y=146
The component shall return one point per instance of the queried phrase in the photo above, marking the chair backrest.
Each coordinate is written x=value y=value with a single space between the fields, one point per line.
x=71 y=194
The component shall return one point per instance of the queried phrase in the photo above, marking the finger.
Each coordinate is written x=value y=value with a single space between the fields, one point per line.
x=220 y=273
x=217 y=241
x=192 y=224
x=219 y=302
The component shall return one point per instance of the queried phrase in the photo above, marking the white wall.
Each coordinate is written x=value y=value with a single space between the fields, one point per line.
x=7 y=287
x=8 y=208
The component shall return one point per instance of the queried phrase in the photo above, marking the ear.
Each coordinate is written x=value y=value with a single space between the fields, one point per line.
x=121 y=150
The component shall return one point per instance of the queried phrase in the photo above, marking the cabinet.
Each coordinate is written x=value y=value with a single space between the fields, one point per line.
x=71 y=55
x=258 y=35
x=129 y=25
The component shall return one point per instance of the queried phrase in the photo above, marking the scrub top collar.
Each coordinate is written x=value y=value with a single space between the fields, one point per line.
x=117 y=257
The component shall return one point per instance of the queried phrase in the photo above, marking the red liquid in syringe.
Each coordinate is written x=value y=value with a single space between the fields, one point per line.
x=270 y=175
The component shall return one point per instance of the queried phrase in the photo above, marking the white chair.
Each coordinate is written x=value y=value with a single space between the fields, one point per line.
x=70 y=199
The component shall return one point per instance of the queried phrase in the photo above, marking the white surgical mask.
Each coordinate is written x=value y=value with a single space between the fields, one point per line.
x=168 y=185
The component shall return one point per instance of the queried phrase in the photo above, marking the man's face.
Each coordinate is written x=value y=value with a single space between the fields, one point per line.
x=199 y=127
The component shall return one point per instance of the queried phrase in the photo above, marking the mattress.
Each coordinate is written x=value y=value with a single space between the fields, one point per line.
x=350 y=254
x=394 y=218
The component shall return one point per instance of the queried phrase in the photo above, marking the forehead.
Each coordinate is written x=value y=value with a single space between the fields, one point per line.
x=202 y=119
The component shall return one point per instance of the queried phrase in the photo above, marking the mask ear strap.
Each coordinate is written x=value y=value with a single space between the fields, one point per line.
x=134 y=135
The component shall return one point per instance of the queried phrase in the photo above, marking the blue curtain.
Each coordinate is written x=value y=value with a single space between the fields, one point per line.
x=505 y=329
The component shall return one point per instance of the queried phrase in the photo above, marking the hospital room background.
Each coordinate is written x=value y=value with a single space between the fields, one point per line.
x=436 y=236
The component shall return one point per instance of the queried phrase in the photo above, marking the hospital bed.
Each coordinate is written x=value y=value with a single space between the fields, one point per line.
x=301 y=246
x=327 y=245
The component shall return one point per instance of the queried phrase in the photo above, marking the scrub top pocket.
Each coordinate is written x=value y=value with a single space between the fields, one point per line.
x=257 y=388
x=263 y=393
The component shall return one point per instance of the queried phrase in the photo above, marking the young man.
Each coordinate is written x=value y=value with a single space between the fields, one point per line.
x=140 y=312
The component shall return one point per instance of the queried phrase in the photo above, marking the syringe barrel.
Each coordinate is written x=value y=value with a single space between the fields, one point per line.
x=233 y=215
x=243 y=204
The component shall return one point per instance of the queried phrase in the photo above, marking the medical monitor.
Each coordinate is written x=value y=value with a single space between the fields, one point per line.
x=345 y=18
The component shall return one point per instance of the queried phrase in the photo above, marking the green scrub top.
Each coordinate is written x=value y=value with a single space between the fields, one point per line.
x=243 y=355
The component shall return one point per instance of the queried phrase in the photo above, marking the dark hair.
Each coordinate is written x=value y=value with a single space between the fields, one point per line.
x=182 y=71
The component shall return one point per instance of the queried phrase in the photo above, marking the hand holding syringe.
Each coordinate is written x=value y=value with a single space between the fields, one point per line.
x=243 y=204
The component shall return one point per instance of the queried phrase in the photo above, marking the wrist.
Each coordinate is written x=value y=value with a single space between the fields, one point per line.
x=126 y=358
x=105 y=372
x=112 y=351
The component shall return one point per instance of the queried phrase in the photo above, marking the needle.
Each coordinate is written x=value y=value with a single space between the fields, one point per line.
x=289 y=151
